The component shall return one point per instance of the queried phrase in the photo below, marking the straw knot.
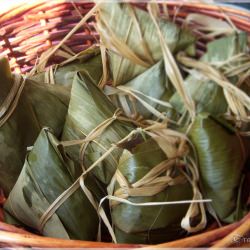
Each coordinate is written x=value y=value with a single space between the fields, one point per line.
x=117 y=113
x=154 y=182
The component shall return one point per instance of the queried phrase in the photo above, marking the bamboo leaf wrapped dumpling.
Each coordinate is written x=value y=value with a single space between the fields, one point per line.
x=88 y=108
x=133 y=45
x=149 y=224
x=39 y=105
x=208 y=95
x=141 y=95
x=88 y=60
x=46 y=175
x=221 y=159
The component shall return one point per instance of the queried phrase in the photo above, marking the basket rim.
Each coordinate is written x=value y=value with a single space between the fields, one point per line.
x=22 y=5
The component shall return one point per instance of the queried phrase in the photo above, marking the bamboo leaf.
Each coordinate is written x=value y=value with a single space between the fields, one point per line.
x=132 y=40
x=221 y=159
x=89 y=108
x=44 y=177
x=208 y=96
x=210 y=26
x=150 y=224
x=39 y=105
x=88 y=60
x=136 y=96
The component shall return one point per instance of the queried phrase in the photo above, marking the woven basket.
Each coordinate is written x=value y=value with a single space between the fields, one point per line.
x=28 y=29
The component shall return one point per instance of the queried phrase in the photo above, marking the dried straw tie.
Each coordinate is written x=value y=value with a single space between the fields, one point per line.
x=153 y=182
x=120 y=91
x=145 y=181
x=112 y=42
x=9 y=104
x=238 y=101
x=54 y=49
x=171 y=68
x=80 y=181
x=70 y=56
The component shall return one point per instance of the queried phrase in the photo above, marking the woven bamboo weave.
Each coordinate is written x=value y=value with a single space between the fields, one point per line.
x=29 y=29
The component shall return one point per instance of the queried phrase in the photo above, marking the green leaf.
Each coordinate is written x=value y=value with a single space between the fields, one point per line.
x=132 y=41
x=221 y=160
x=44 y=177
x=209 y=96
x=88 y=60
x=146 y=224
x=39 y=105
x=88 y=108
x=224 y=48
x=149 y=87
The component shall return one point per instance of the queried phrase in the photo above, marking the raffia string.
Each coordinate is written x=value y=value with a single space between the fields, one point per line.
x=114 y=43
x=171 y=67
x=232 y=60
x=121 y=90
x=54 y=49
x=195 y=208
x=105 y=73
x=8 y=106
x=147 y=54
x=234 y=71
x=67 y=193
x=111 y=41
x=173 y=143
x=175 y=146
x=243 y=78
x=101 y=213
x=96 y=132
x=80 y=183
x=151 y=184
x=10 y=97
x=237 y=65
x=69 y=56
x=150 y=204
x=238 y=101
x=49 y=76
x=210 y=27
x=45 y=56
x=81 y=55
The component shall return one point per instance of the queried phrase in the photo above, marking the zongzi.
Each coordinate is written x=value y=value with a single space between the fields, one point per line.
x=209 y=96
x=63 y=74
x=46 y=175
x=141 y=96
x=89 y=108
x=221 y=159
x=39 y=105
x=149 y=224
x=131 y=38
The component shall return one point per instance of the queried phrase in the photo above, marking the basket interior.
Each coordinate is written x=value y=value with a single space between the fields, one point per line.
x=29 y=30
